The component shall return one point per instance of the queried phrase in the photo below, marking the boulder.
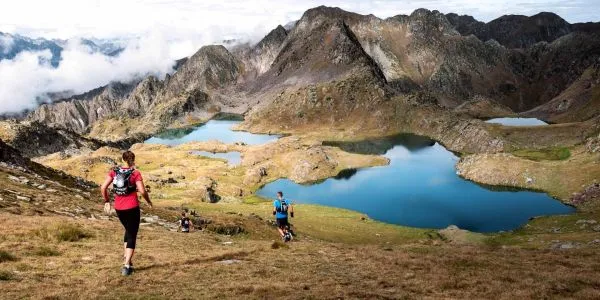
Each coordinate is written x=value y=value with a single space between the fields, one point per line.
x=309 y=168
x=255 y=175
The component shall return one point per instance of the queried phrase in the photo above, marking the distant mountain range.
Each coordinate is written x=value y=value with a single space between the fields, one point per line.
x=335 y=67
x=12 y=45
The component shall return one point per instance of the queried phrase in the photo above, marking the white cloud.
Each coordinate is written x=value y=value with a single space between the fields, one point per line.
x=28 y=76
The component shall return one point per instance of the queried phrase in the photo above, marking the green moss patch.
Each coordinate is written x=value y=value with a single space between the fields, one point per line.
x=557 y=153
x=6 y=256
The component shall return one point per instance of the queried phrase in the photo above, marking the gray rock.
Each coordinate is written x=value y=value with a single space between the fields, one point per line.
x=586 y=222
x=229 y=261
x=567 y=246
x=23 y=198
x=149 y=220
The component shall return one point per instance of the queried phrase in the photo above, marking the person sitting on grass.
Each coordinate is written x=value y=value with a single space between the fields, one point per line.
x=185 y=224
x=127 y=182
x=281 y=207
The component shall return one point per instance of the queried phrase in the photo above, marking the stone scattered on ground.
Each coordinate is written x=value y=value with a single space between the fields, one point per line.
x=229 y=261
x=591 y=192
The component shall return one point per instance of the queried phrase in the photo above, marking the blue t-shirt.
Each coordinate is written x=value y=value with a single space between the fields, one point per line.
x=277 y=204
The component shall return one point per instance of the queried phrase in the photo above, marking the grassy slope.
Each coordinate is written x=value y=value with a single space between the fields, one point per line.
x=174 y=265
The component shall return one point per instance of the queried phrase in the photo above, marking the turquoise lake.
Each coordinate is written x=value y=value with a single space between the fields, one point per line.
x=419 y=188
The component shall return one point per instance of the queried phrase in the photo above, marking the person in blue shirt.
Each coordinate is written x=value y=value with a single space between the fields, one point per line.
x=281 y=208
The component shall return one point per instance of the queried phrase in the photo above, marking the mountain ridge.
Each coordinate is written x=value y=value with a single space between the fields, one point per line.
x=419 y=56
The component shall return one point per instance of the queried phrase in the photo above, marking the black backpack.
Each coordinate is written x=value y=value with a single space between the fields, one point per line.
x=185 y=223
x=121 y=184
x=283 y=207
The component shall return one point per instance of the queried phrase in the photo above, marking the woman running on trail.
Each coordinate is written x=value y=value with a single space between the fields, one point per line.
x=127 y=182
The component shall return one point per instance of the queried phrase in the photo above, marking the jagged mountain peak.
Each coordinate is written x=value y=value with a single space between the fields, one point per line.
x=276 y=36
x=314 y=16
x=210 y=50
x=211 y=67
x=320 y=52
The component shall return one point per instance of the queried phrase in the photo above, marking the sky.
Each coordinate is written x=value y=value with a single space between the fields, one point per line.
x=109 y=18
x=155 y=32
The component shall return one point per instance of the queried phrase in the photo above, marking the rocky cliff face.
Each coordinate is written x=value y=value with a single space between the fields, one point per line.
x=578 y=102
x=78 y=113
x=334 y=65
x=35 y=139
x=212 y=67
x=257 y=59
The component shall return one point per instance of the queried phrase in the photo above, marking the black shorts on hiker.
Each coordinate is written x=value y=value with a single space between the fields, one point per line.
x=130 y=218
x=282 y=223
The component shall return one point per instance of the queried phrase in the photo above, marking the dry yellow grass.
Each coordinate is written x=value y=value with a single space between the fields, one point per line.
x=559 y=178
x=200 y=265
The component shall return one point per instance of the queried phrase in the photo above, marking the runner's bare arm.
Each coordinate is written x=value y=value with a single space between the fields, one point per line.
x=142 y=190
x=104 y=188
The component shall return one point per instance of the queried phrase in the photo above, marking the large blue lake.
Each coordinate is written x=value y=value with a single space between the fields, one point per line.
x=419 y=188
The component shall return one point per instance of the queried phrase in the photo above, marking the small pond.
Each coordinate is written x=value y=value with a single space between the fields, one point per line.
x=233 y=158
x=517 y=121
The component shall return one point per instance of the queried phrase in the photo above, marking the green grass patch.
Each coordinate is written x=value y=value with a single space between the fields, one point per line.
x=254 y=199
x=558 y=153
x=279 y=245
x=46 y=251
x=6 y=276
x=64 y=232
x=6 y=256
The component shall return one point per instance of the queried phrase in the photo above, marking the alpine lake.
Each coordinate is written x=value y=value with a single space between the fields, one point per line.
x=419 y=187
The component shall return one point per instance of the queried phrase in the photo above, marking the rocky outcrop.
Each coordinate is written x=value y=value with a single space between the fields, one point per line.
x=257 y=59
x=34 y=139
x=142 y=97
x=306 y=169
x=580 y=101
x=78 y=113
x=483 y=108
x=11 y=158
x=212 y=67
